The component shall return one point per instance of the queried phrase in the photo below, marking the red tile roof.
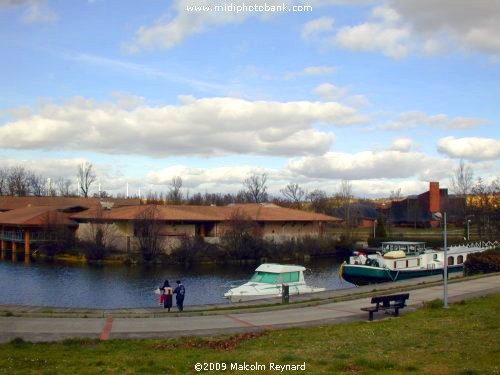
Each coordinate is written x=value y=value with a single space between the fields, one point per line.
x=255 y=211
x=35 y=217
x=10 y=203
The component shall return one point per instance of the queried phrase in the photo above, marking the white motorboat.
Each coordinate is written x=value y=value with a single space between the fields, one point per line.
x=268 y=281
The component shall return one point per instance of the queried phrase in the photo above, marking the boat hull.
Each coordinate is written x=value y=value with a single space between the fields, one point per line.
x=275 y=292
x=363 y=275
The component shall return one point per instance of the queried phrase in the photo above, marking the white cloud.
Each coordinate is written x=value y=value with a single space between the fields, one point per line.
x=312 y=71
x=328 y=91
x=471 y=24
x=402 y=144
x=434 y=46
x=358 y=101
x=316 y=27
x=373 y=37
x=172 y=30
x=412 y=119
x=371 y=165
x=230 y=179
x=472 y=148
x=166 y=34
x=204 y=178
x=319 y=70
x=50 y=168
x=209 y=126
x=383 y=187
x=386 y=13
x=432 y=27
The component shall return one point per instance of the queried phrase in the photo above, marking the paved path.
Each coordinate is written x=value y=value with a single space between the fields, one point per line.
x=49 y=329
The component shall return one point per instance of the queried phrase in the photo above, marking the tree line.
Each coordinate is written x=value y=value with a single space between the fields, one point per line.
x=19 y=181
x=480 y=201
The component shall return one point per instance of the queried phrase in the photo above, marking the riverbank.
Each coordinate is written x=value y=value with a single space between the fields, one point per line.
x=460 y=340
x=313 y=299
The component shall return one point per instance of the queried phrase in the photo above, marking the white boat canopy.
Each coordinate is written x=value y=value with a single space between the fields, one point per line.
x=279 y=268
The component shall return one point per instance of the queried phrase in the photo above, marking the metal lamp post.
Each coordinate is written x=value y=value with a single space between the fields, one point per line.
x=468 y=229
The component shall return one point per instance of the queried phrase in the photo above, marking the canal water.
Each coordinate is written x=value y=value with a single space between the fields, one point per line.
x=90 y=286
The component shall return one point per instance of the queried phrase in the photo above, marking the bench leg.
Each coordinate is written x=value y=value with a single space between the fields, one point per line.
x=370 y=318
x=396 y=311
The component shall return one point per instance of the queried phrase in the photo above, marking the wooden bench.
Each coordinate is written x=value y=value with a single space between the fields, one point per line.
x=387 y=303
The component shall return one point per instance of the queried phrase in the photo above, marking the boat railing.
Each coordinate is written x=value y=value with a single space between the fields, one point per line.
x=479 y=244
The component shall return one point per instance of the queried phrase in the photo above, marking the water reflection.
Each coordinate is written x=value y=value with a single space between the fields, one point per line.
x=65 y=285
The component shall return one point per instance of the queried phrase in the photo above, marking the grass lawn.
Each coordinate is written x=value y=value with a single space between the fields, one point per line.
x=461 y=340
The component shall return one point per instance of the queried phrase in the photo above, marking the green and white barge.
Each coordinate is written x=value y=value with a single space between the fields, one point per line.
x=403 y=260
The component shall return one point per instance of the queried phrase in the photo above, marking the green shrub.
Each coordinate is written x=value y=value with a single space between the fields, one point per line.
x=194 y=249
x=93 y=251
x=51 y=249
x=484 y=262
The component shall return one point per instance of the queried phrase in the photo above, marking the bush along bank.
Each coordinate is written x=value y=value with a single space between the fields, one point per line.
x=244 y=248
x=485 y=262
x=247 y=248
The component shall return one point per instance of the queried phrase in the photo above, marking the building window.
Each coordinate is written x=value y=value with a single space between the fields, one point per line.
x=460 y=259
x=451 y=261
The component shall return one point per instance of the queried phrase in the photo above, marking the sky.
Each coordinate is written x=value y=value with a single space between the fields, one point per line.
x=387 y=94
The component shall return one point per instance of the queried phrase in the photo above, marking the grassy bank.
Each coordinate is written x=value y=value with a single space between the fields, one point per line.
x=460 y=340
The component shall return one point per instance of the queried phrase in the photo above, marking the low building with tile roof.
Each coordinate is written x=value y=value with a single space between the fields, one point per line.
x=208 y=222
x=26 y=222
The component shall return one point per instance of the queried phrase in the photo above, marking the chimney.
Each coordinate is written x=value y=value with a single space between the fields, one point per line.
x=434 y=197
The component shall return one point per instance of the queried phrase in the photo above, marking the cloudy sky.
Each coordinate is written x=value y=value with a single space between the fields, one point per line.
x=389 y=94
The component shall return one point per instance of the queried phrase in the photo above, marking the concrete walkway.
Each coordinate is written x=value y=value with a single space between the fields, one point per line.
x=34 y=328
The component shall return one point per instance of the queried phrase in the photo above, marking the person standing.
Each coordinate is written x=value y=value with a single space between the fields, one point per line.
x=180 y=293
x=167 y=301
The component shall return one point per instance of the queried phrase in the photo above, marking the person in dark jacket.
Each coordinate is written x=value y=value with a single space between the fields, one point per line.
x=180 y=292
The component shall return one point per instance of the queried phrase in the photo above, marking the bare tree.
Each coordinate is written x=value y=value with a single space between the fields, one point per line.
x=345 y=198
x=64 y=187
x=86 y=177
x=396 y=195
x=294 y=193
x=463 y=179
x=37 y=184
x=462 y=183
x=241 y=236
x=256 y=187
x=175 y=193
x=51 y=189
x=319 y=200
x=18 y=181
x=147 y=232
x=4 y=176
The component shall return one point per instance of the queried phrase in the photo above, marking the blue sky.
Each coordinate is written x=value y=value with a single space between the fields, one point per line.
x=388 y=94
